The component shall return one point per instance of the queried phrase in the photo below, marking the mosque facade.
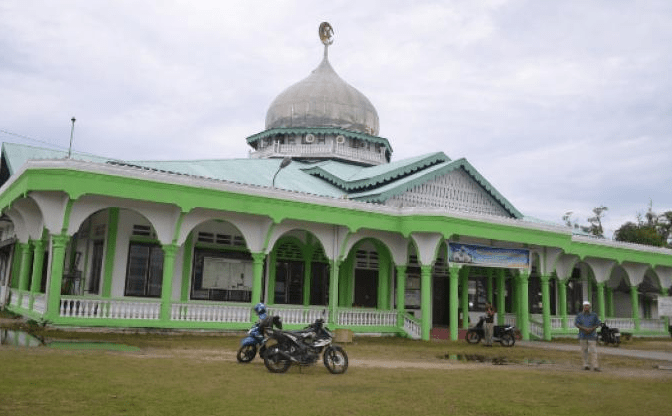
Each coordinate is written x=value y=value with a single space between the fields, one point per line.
x=319 y=221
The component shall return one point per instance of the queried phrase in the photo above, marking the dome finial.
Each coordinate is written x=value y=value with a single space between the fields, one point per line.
x=326 y=35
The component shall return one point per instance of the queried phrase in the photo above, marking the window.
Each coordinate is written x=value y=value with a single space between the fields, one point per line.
x=96 y=267
x=574 y=293
x=144 y=272
x=319 y=284
x=478 y=295
x=289 y=282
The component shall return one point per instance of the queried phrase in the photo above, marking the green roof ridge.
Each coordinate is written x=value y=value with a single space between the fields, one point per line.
x=376 y=175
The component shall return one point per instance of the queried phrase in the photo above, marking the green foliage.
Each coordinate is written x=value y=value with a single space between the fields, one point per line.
x=640 y=234
x=651 y=229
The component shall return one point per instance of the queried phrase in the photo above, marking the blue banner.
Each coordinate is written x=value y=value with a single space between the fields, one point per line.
x=516 y=258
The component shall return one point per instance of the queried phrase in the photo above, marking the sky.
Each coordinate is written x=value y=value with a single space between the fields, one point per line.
x=561 y=105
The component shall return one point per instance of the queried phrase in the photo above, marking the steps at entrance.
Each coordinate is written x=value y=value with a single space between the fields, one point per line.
x=443 y=332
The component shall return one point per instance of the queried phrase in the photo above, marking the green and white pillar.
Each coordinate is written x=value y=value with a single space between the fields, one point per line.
x=501 y=296
x=401 y=294
x=58 y=244
x=426 y=300
x=257 y=276
x=546 y=305
x=634 y=300
x=38 y=265
x=454 y=273
x=524 y=317
x=333 y=291
x=601 y=310
x=464 y=296
x=562 y=302
x=169 y=251
x=24 y=270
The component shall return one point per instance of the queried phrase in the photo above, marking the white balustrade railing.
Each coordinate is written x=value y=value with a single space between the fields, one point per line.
x=299 y=315
x=39 y=302
x=13 y=297
x=412 y=327
x=537 y=328
x=652 y=324
x=3 y=294
x=320 y=150
x=510 y=319
x=214 y=312
x=25 y=298
x=620 y=323
x=556 y=322
x=82 y=307
x=366 y=317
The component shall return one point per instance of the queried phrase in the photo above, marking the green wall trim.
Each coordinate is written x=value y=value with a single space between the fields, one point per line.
x=77 y=183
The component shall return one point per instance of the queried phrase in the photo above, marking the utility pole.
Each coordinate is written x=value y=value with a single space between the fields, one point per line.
x=72 y=133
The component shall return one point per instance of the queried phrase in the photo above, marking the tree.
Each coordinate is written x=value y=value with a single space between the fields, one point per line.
x=595 y=222
x=639 y=233
x=651 y=229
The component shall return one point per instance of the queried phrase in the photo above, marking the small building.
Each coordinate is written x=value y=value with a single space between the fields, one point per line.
x=319 y=221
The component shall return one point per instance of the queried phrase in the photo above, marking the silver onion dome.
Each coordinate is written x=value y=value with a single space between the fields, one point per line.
x=323 y=99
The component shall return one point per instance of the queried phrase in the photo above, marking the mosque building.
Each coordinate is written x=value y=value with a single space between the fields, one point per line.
x=319 y=221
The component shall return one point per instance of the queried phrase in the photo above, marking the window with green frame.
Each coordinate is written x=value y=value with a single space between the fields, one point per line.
x=144 y=271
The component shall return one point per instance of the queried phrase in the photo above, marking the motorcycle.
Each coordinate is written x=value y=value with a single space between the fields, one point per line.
x=256 y=339
x=608 y=335
x=304 y=348
x=504 y=334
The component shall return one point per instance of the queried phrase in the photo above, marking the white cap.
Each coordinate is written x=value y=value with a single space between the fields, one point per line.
x=585 y=302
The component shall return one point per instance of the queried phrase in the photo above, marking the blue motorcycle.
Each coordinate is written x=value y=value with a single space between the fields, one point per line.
x=256 y=337
x=255 y=340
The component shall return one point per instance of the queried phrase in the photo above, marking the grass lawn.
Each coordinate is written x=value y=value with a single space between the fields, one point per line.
x=198 y=375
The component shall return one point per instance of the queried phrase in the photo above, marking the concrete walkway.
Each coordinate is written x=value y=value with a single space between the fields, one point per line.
x=649 y=355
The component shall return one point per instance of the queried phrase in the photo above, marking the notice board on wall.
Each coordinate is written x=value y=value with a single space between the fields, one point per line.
x=226 y=274
x=664 y=305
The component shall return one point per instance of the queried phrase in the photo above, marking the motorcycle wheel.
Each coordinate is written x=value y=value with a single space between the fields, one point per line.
x=246 y=353
x=507 y=340
x=335 y=359
x=274 y=362
x=473 y=337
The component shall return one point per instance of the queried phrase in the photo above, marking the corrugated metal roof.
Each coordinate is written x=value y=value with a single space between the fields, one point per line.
x=331 y=178
x=258 y=172
x=17 y=154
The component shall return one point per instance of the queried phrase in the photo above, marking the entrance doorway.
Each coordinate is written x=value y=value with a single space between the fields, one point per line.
x=440 y=303
x=366 y=288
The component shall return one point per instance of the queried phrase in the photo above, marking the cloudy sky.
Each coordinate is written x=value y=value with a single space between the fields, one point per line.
x=561 y=105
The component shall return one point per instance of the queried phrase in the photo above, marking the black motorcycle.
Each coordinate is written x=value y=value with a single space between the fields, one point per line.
x=504 y=334
x=608 y=335
x=304 y=348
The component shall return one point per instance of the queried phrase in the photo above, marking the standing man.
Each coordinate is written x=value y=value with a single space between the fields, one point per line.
x=489 y=323
x=587 y=322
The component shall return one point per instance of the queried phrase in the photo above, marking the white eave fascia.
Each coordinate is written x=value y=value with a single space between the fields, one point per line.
x=620 y=244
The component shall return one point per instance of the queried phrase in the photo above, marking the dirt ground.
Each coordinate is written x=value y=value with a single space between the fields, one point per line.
x=438 y=364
